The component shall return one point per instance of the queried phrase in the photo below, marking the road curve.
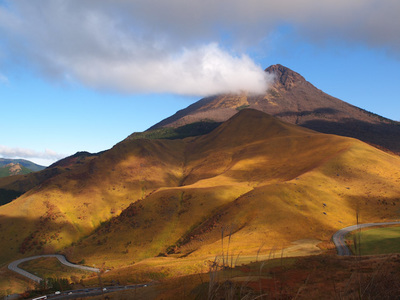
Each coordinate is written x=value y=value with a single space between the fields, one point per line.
x=14 y=266
x=339 y=237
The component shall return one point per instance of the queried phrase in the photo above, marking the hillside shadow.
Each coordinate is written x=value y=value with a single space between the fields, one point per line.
x=6 y=196
x=385 y=135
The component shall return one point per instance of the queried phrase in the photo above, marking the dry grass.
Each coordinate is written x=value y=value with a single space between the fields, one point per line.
x=10 y=283
x=51 y=267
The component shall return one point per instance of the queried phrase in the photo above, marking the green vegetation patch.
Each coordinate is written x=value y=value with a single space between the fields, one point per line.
x=239 y=108
x=193 y=129
x=4 y=172
x=382 y=240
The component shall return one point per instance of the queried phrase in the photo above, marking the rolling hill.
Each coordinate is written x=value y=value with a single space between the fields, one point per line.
x=165 y=204
x=293 y=99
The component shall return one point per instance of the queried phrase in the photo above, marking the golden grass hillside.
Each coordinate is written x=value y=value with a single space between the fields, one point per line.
x=259 y=182
x=264 y=182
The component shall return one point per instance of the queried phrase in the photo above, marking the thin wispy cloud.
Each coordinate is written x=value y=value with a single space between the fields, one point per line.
x=4 y=79
x=176 y=46
x=9 y=152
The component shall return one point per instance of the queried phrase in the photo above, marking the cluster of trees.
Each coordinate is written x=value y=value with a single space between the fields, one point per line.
x=55 y=284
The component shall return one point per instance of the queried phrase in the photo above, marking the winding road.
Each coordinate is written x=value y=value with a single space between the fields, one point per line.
x=339 y=237
x=72 y=294
x=14 y=266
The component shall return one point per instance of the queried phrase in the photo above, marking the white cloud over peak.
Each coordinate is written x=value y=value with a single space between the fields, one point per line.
x=200 y=71
x=177 y=46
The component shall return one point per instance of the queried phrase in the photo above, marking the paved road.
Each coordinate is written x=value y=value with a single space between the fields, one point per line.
x=89 y=292
x=339 y=237
x=14 y=266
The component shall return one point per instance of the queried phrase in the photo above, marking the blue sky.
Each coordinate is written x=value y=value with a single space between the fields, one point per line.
x=83 y=75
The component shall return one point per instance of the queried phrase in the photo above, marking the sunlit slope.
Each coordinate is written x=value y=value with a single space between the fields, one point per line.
x=311 y=206
x=71 y=205
x=316 y=203
x=266 y=182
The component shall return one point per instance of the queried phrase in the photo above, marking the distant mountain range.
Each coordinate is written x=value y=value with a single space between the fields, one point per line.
x=13 y=169
x=292 y=99
x=22 y=162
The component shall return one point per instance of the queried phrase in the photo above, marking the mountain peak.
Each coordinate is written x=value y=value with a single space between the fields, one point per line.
x=285 y=76
x=293 y=99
